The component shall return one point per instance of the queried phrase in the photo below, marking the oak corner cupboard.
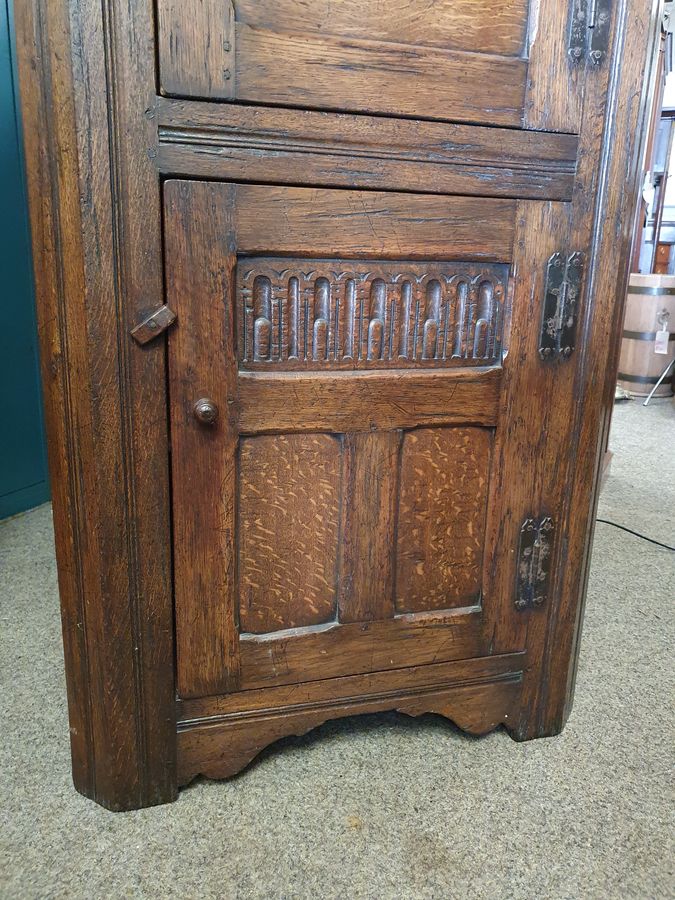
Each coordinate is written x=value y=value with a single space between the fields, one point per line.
x=329 y=309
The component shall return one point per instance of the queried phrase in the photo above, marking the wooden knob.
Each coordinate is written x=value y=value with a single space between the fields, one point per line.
x=205 y=411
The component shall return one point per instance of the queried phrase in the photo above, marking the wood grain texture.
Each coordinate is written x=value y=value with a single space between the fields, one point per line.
x=196 y=41
x=97 y=274
x=331 y=651
x=370 y=479
x=367 y=224
x=324 y=72
x=446 y=24
x=199 y=281
x=331 y=56
x=289 y=504
x=332 y=690
x=476 y=708
x=444 y=475
x=98 y=139
x=555 y=86
x=246 y=143
x=535 y=405
x=364 y=401
x=565 y=456
x=635 y=37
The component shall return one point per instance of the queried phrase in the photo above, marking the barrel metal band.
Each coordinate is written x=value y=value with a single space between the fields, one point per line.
x=643 y=379
x=652 y=291
x=644 y=335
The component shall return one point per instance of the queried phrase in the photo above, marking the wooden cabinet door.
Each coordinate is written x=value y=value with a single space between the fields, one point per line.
x=455 y=60
x=335 y=380
x=370 y=405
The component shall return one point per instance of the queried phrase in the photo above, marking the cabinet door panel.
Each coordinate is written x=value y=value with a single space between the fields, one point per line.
x=457 y=61
x=332 y=520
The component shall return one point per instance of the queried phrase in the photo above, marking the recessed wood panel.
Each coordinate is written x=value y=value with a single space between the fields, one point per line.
x=441 y=517
x=289 y=501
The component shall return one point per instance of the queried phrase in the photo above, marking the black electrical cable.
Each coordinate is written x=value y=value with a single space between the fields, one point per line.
x=637 y=534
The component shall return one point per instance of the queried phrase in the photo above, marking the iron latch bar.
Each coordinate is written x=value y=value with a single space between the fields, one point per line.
x=154 y=325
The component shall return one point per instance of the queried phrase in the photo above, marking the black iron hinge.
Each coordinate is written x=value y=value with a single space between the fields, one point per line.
x=534 y=562
x=564 y=276
x=589 y=30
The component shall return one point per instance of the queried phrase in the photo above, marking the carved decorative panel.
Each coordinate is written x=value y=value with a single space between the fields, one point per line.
x=337 y=314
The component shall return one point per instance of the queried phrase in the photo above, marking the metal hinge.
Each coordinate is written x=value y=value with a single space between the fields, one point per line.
x=561 y=299
x=154 y=325
x=534 y=562
x=589 y=30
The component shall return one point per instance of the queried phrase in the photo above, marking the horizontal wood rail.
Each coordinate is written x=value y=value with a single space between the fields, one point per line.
x=332 y=149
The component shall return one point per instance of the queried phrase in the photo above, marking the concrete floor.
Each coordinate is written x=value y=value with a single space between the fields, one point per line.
x=380 y=806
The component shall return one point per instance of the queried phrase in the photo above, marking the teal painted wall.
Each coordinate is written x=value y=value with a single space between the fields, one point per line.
x=23 y=466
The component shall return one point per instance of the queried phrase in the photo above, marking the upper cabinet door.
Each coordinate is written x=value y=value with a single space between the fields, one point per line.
x=454 y=60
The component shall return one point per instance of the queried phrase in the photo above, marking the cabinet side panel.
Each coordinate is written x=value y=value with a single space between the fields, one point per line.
x=97 y=263
x=632 y=72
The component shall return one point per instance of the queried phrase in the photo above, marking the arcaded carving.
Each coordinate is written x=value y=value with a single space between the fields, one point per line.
x=335 y=314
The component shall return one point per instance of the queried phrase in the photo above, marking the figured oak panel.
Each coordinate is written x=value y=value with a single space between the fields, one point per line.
x=441 y=517
x=289 y=503
x=340 y=314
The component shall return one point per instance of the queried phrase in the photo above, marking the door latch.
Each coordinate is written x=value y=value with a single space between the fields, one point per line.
x=153 y=325
x=561 y=300
x=589 y=30
x=534 y=562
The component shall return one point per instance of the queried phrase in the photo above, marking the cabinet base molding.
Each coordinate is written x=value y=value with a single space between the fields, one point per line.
x=220 y=736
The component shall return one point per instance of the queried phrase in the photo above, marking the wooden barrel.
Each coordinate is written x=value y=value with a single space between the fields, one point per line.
x=649 y=296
